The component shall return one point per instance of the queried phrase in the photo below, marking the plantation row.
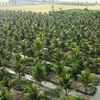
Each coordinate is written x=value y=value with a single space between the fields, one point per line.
x=59 y=47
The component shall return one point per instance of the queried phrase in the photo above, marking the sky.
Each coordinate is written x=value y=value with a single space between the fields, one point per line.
x=3 y=0
x=90 y=1
x=69 y=0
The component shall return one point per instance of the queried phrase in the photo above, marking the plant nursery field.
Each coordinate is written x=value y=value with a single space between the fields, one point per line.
x=49 y=56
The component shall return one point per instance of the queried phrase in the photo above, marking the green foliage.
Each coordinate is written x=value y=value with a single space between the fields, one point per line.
x=23 y=47
x=6 y=82
x=39 y=72
x=5 y=95
x=3 y=73
x=87 y=78
x=69 y=98
x=64 y=38
x=53 y=93
x=74 y=71
x=70 y=32
x=19 y=84
x=18 y=67
x=31 y=93
x=72 y=98
x=66 y=82
x=59 y=68
x=3 y=56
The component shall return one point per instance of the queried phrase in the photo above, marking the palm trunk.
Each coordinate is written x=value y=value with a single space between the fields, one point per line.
x=86 y=89
x=19 y=76
x=66 y=94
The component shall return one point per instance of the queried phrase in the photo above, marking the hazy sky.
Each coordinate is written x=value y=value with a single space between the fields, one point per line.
x=69 y=0
x=3 y=0
x=83 y=0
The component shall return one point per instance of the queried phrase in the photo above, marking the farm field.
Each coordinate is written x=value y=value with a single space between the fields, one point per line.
x=47 y=7
x=50 y=56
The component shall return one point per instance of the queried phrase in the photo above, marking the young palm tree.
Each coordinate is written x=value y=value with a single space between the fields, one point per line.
x=6 y=82
x=5 y=95
x=18 y=67
x=38 y=46
x=32 y=93
x=3 y=56
x=66 y=82
x=74 y=71
x=58 y=55
x=23 y=47
x=86 y=78
x=10 y=43
x=3 y=73
x=39 y=72
x=59 y=67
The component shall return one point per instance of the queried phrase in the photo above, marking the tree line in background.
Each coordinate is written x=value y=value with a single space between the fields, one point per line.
x=32 y=2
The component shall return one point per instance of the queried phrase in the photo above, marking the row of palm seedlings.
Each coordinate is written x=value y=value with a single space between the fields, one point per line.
x=59 y=47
